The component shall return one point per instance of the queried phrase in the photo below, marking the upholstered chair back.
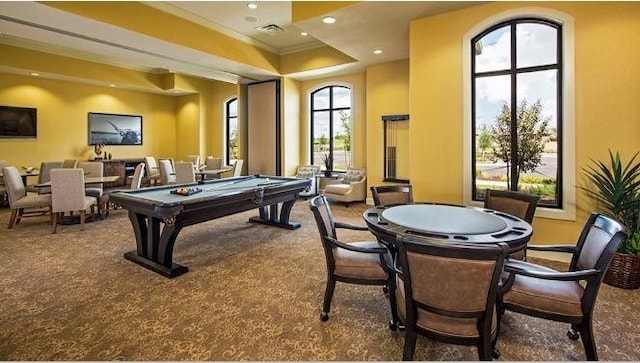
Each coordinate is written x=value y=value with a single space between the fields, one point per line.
x=45 y=175
x=166 y=172
x=67 y=189
x=70 y=163
x=213 y=163
x=185 y=172
x=392 y=194
x=237 y=167
x=93 y=169
x=138 y=175
x=14 y=184
x=519 y=204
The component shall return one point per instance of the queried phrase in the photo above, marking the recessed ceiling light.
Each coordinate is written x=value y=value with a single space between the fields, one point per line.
x=377 y=51
x=34 y=74
x=112 y=85
x=304 y=34
x=328 y=20
x=252 y=6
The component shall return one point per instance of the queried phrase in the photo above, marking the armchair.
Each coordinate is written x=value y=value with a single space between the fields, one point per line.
x=569 y=296
x=309 y=172
x=350 y=188
x=362 y=263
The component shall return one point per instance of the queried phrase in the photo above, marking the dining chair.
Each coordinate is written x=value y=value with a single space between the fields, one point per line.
x=212 y=163
x=519 y=204
x=167 y=173
x=195 y=160
x=3 y=187
x=68 y=194
x=361 y=262
x=136 y=183
x=388 y=195
x=93 y=169
x=237 y=167
x=566 y=296
x=447 y=292
x=44 y=176
x=185 y=173
x=21 y=203
x=69 y=163
x=349 y=188
x=151 y=170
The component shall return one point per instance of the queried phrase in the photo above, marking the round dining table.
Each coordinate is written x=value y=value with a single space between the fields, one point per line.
x=448 y=223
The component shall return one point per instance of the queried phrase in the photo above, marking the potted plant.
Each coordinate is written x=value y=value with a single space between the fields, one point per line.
x=617 y=193
x=327 y=159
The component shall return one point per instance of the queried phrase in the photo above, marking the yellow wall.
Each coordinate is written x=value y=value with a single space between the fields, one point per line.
x=387 y=94
x=62 y=119
x=291 y=121
x=607 y=85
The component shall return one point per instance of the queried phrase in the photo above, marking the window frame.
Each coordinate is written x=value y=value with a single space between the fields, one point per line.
x=513 y=72
x=227 y=123
x=567 y=211
x=331 y=110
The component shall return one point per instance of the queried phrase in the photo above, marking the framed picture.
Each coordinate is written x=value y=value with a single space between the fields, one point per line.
x=112 y=129
x=18 y=122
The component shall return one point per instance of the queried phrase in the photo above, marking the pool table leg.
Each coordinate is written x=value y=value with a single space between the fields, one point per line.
x=269 y=215
x=154 y=248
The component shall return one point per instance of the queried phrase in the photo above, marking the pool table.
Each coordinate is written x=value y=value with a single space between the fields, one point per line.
x=157 y=214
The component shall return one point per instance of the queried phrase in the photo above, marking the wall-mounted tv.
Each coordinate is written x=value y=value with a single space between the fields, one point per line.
x=112 y=129
x=18 y=122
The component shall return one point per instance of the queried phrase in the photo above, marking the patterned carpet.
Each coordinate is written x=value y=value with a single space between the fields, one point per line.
x=252 y=293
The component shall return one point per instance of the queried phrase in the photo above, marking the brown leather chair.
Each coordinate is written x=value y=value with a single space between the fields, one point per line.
x=519 y=204
x=566 y=296
x=354 y=263
x=386 y=195
x=447 y=292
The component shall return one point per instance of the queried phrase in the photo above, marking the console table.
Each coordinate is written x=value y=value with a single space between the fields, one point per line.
x=123 y=168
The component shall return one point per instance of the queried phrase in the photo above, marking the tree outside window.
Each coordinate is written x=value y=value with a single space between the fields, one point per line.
x=517 y=103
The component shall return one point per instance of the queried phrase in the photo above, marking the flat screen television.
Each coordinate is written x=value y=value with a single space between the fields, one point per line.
x=18 y=122
x=112 y=129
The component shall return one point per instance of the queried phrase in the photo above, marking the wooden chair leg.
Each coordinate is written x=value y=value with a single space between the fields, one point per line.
x=93 y=213
x=19 y=215
x=12 y=220
x=51 y=214
x=82 y=214
x=328 y=296
x=55 y=222
x=410 y=338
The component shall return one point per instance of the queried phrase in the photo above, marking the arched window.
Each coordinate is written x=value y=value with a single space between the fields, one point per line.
x=331 y=127
x=231 y=130
x=517 y=109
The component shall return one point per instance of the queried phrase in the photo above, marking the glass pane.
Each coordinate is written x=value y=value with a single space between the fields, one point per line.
x=536 y=45
x=538 y=134
x=233 y=108
x=232 y=143
x=320 y=136
x=493 y=51
x=341 y=139
x=492 y=132
x=341 y=97
x=321 y=99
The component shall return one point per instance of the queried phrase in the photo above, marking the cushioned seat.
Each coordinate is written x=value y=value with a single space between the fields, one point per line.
x=361 y=262
x=565 y=296
x=22 y=204
x=350 y=188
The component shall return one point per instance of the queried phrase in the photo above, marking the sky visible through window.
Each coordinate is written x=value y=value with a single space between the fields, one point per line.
x=536 y=45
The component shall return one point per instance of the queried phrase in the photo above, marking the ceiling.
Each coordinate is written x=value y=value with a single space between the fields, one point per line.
x=359 y=30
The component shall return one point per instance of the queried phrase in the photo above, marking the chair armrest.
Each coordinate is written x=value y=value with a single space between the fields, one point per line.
x=553 y=248
x=532 y=270
x=351 y=226
x=346 y=246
